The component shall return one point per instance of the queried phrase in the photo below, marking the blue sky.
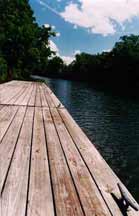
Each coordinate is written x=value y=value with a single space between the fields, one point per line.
x=90 y=26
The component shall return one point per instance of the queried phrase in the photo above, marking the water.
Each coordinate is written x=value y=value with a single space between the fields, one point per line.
x=111 y=122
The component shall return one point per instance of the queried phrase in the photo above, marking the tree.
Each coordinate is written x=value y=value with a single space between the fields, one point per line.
x=3 y=69
x=126 y=55
x=55 y=66
x=23 y=44
x=117 y=69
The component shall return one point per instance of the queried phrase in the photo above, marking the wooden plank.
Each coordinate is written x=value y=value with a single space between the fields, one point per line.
x=11 y=83
x=6 y=93
x=56 y=101
x=91 y=199
x=19 y=91
x=33 y=96
x=105 y=178
x=10 y=99
x=40 y=193
x=66 y=199
x=22 y=100
x=27 y=97
x=48 y=97
x=23 y=87
x=16 y=90
x=16 y=94
x=90 y=196
x=7 y=115
x=38 y=96
x=43 y=98
x=8 y=145
x=1 y=106
x=14 y=196
x=3 y=91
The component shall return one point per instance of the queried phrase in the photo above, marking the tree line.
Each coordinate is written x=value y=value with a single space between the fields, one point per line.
x=117 y=69
x=25 y=50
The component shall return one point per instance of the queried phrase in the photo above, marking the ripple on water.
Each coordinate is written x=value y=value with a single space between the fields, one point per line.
x=111 y=122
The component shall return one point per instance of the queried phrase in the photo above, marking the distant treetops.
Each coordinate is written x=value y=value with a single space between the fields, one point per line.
x=117 y=69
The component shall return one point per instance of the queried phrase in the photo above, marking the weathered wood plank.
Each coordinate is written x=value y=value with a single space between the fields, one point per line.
x=33 y=96
x=43 y=98
x=38 y=96
x=48 y=97
x=24 y=87
x=91 y=199
x=14 y=196
x=40 y=192
x=24 y=98
x=16 y=94
x=17 y=90
x=66 y=199
x=104 y=177
x=55 y=101
x=6 y=92
x=7 y=115
x=8 y=145
x=25 y=101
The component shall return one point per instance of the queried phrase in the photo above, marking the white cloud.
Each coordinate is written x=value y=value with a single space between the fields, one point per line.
x=100 y=16
x=53 y=27
x=67 y=59
x=77 y=52
x=58 y=34
x=54 y=48
x=46 y=25
x=75 y=27
x=106 y=50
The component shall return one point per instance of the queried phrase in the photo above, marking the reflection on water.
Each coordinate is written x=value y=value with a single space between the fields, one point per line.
x=111 y=122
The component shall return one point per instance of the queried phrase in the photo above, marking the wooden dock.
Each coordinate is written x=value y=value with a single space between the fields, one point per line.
x=48 y=167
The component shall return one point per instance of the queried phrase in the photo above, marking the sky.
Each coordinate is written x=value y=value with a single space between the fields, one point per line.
x=90 y=26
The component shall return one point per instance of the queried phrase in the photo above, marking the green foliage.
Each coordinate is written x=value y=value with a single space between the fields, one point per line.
x=117 y=69
x=23 y=44
x=3 y=69
x=55 y=65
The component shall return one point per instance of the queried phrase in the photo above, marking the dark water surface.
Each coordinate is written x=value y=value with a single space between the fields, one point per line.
x=111 y=122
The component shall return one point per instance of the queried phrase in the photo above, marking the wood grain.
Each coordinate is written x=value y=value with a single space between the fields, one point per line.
x=14 y=196
x=48 y=166
x=8 y=145
x=66 y=199
x=40 y=193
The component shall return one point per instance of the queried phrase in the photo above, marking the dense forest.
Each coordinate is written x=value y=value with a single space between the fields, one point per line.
x=117 y=69
x=25 y=50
